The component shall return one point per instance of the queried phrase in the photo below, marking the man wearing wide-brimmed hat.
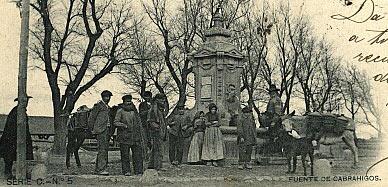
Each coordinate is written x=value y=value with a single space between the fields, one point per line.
x=275 y=104
x=274 y=112
x=99 y=122
x=8 y=141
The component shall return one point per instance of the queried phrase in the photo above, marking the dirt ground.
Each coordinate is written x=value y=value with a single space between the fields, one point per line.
x=195 y=175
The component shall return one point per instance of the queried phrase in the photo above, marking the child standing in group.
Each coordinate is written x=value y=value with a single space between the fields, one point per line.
x=213 y=145
x=195 y=150
x=246 y=138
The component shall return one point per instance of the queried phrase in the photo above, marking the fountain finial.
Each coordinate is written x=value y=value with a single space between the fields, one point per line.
x=217 y=19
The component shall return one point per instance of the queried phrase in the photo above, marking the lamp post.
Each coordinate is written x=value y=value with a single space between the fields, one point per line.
x=21 y=166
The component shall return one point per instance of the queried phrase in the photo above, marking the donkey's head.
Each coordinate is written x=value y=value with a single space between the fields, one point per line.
x=265 y=119
x=287 y=121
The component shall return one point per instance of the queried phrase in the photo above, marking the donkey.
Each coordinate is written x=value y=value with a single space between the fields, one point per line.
x=78 y=131
x=322 y=136
x=268 y=133
x=296 y=146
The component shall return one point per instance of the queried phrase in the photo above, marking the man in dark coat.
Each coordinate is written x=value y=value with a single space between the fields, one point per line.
x=8 y=142
x=144 y=107
x=176 y=124
x=232 y=104
x=275 y=112
x=246 y=138
x=157 y=130
x=130 y=135
x=99 y=121
x=275 y=105
x=274 y=109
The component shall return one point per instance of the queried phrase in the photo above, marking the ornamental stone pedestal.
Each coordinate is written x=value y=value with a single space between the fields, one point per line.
x=217 y=66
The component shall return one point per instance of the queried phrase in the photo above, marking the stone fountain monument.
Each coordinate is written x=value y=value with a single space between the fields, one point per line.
x=217 y=66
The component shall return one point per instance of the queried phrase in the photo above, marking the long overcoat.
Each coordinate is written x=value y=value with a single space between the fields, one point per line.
x=129 y=126
x=99 y=117
x=246 y=129
x=8 y=141
x=156 y=120
x=275 y=105
x=177 y=122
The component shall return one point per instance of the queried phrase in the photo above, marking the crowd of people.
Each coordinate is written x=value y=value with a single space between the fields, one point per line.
x=143 y=131
x=147 y=128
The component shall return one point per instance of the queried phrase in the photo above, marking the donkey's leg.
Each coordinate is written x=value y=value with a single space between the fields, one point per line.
x=304 y=163
x=80 y=141
x=311 y=155
x=68 y=156
x=70 y=147
x=289 y=163
x=294 y=161
x=348 y=138
x=76 y=156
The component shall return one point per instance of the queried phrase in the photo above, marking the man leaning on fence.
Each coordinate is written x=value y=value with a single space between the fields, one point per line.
x=99 y=121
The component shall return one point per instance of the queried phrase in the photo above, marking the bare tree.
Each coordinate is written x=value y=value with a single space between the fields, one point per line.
x=252 y=40
x=78 y=50
x=367 y=104
x=150 y=68
x=350 y=90
x=306 y=69
x=289 y=36
x=328 y=73
x=233 y=10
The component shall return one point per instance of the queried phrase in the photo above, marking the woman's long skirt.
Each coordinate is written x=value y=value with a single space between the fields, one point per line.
x=213 y=144
x=195 y=150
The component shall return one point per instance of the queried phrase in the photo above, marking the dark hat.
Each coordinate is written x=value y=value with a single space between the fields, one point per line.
x=272 y=88
x=28 y=97
x=127 y=97
x=83 y=108
x=212 y=105
x=106 y=93
x=147 y=94
x=159 y=96
x=247 y=109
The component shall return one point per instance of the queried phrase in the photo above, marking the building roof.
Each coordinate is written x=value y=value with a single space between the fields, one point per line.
x=38 y=124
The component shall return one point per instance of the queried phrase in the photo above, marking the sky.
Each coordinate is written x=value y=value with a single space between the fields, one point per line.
x=337 y=32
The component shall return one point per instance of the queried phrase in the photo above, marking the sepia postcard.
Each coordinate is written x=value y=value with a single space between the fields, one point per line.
x=193 y=92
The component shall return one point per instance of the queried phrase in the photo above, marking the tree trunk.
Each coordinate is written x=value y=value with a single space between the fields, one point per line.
x=60 y=128
x=307 y=103
x=252 y=103
x=182 y=97
x=286 y=106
